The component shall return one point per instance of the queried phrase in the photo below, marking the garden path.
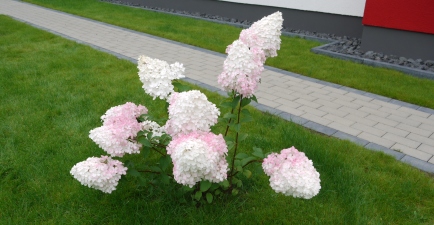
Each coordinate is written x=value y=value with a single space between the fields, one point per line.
x=370 y=120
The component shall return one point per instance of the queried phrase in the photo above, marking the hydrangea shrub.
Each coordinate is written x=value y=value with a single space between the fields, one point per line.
x=190 y=154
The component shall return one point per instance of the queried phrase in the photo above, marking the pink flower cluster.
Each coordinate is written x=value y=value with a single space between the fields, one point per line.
x=198 y=156
x=120 y=127
x=246 y=56
x=242 y=68
x=292 y=173
x=157 y=75
x=264 y=34
x=190 y=112
x=100 y=173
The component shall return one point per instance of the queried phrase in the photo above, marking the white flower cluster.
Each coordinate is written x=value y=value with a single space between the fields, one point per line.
x=153 y=127
x=265 y=34
x=99 y=173
x=292 y=173
x=242 y=69
x=190 y=111
x=120 y=127
x=157 y=75
x=198 y=156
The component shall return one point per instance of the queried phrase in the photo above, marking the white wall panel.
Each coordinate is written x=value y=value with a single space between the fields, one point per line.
x=341 y=7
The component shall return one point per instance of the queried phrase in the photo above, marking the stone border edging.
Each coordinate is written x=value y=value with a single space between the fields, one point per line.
x=370 y=62
x=420 y=164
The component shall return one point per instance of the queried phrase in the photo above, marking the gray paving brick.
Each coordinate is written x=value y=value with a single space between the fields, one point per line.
x=361 y=120
x=268 y=109
x=392 y=130
x=335 y=90
x=373 y=111
x=320 y=128
x=418 y=163
x=344 y=128
x=412 y=152
x=264 y=95
x=311 y=110
x=426 y=148
x=366 y=104
x=346 y=98
x=308 y=103
x=368 y=129
x=394 y=112
x=404 y=141
x=415 y=130
x=380 y=148
x=421 y=139
x=414 y=112
x=423 y=120
x=293 y=118
x=376 y=139
x=348 y=104
x=316 y=119
x=403 y=120
x=354 y=139
x=359 y=96
x=322 y=96
x=426 y=127
x=339 y=119
x=332 y=111
x=432 y=163
x=291 y=110
x=352 y=111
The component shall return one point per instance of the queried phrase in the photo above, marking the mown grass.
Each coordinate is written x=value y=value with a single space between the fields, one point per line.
x=294 y=56
x=53 y=91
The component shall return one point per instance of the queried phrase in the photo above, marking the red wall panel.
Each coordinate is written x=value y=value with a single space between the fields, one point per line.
x=416 y=15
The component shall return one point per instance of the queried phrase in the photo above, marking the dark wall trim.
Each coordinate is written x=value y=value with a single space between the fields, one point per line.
x=293 y=19
x=398 y=42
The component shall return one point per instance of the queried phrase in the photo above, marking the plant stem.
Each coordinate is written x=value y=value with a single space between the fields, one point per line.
x=236 y=142
x=158 y=151
x=259 y=161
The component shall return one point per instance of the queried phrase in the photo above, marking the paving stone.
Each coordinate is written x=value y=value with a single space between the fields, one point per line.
x=373 y=111
x=376 y=147
x=344 y=128
x=422 y=165
x=360 y=120
x=352 y=111
x=359 y=96
x=366 y=104
x=422 y=120
x=346 y=98
x=332 y=111
x=291 y=110
x=311 y=110
x=422 y=139
x=414 y=112
x=339 y=119
x=411 y=152
x=346 y=103
x=426 y=127
x=289 y=103
x=403 y=120
x=316 y=119
x=426 y=148
x=308 y=103
x=293 y=118
x=329 y=104
x=404 y=141
x=349 y=137
x=432 y=163
x=368 y=129
x=392 y=130
x=263 y=95
x=320 y=128
x=322 y=97
x=376 y=139
x=335 y=90
x=415 y=130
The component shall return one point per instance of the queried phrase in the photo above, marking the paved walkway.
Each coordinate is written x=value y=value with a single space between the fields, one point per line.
x=370 y=120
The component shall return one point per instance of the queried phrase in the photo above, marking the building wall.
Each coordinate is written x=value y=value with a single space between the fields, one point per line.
x=340 y=7
x=315 y=21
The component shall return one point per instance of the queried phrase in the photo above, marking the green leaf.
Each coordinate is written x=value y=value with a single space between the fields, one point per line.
x=237 y=163
x=226 y=105
x=254 y=98
x=258 y=154
x=234 y=191
x=155 y=169
x=187 y=188
x=241 y=156
x=134 y=172
x=245 y=102
x=228 y=138
x=142 y=181
x=236 y=127
x=144 y=141
x=205 y=185
x=165 y=162
x=239 y=168
x=214 y=186
x=146 y=151
x=247 y=173
x=209 y=198
x=239 y=183
x=230 y=145
x=247 y=160
x=225 y=183
x=149 y=136
x=198 y=195
x=165 y=179
x=229 y=115
x=245 y=112
x=217 y=192
x=181 y=87
x=222 y=120
x=242 y=137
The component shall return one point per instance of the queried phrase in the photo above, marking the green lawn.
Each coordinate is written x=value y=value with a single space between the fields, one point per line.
x=294 y=56
x=53 y=91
